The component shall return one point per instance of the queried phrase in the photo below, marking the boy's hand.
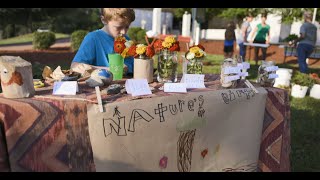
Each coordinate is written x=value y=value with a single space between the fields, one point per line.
x=125 y=69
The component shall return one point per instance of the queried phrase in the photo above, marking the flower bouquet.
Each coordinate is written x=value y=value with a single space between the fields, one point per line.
x=116 y=60
x=194 y=57
x=167 y=59
x=143 y=60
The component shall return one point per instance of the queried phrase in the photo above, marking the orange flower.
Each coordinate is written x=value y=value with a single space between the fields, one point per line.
x=119 y=46
x=150 y=51
x=132 y=50
x=157 y=45
x=175 y=47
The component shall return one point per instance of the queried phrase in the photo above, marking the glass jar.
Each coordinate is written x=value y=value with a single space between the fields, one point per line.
x=263 y=75
x=195 y=66
x=223 y=77
x=167 y=66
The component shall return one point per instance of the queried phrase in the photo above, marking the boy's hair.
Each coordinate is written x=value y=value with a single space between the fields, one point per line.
x=127 y=14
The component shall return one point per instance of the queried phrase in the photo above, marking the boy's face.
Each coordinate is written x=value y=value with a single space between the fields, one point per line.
x=117 y=27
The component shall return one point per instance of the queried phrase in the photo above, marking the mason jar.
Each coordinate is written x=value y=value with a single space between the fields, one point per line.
x=263 y=75
x=228 y=63
x=167 y=66
x=195 y=66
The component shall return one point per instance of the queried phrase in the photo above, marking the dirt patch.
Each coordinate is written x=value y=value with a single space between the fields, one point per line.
x=54 y=56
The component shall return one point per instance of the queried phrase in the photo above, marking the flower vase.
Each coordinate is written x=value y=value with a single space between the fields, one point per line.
x=143 y=69
x=194 y=66
x=167 y=67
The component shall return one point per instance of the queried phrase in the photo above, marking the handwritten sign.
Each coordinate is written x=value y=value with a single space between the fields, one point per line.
x=231 y=78
x=137 y=87
x=65 y=88
x=243 y=65
x=273 y=76
x=244 y=74
x=231 y=70
x=175 y=87
x=193 y=80
x=176 y=131
x=271 y=68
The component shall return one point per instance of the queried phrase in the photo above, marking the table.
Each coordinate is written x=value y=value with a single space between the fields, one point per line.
x=292 y=51
x=50 y=133
x=255 y=45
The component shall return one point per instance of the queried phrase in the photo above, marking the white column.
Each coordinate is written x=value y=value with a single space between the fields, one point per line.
x=156 y=20
x=164 y=29
x=186 y=23
x=143 y=24
x=314 y=15
x=197 y=34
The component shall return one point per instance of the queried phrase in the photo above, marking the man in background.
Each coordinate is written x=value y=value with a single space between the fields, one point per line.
x=306 y=41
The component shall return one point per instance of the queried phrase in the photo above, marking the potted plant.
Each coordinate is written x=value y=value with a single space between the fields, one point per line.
x=315 y=90
x=301 y=84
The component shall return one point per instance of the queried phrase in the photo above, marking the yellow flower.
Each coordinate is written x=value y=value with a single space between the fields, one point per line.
x=141 y=49
x=170 y=39
x=194 y=49
x=166 y=44
x=125 y=52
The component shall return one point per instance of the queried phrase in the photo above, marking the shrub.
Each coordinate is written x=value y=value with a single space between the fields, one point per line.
x=303 y=79
x=77 y=38
x=137 y=34
x=43 y=40
x=9 y=31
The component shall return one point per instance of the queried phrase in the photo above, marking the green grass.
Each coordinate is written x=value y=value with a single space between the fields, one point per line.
x=26 y=38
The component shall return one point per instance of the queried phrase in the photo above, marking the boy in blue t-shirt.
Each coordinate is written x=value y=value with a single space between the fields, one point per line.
x=98 y=44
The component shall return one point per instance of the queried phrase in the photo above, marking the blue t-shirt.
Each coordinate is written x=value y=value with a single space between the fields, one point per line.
x=95 y=47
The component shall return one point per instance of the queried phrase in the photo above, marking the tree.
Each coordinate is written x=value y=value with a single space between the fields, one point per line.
x=290 y=15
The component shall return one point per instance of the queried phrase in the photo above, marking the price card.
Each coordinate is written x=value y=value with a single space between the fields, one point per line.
x=65 y=88
x=193 y=80
x=175 y=87
x=271 y=68
x=231 y=70
x=273 y=76
x=137 y=87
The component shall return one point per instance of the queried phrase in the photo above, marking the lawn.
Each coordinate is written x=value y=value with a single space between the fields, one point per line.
x=27 y=38
x=305 y=123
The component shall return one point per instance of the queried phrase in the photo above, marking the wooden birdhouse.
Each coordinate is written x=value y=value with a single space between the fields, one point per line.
x=16 y=77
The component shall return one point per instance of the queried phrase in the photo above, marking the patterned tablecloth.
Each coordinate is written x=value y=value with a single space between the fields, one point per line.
x=50 y=133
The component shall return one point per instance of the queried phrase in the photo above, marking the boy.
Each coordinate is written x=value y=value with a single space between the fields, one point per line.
x=98 y=44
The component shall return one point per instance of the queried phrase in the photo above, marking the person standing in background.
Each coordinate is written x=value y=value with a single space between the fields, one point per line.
x=244 y=33
x=307 y=41
x=230 y=37
x=261 y=34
